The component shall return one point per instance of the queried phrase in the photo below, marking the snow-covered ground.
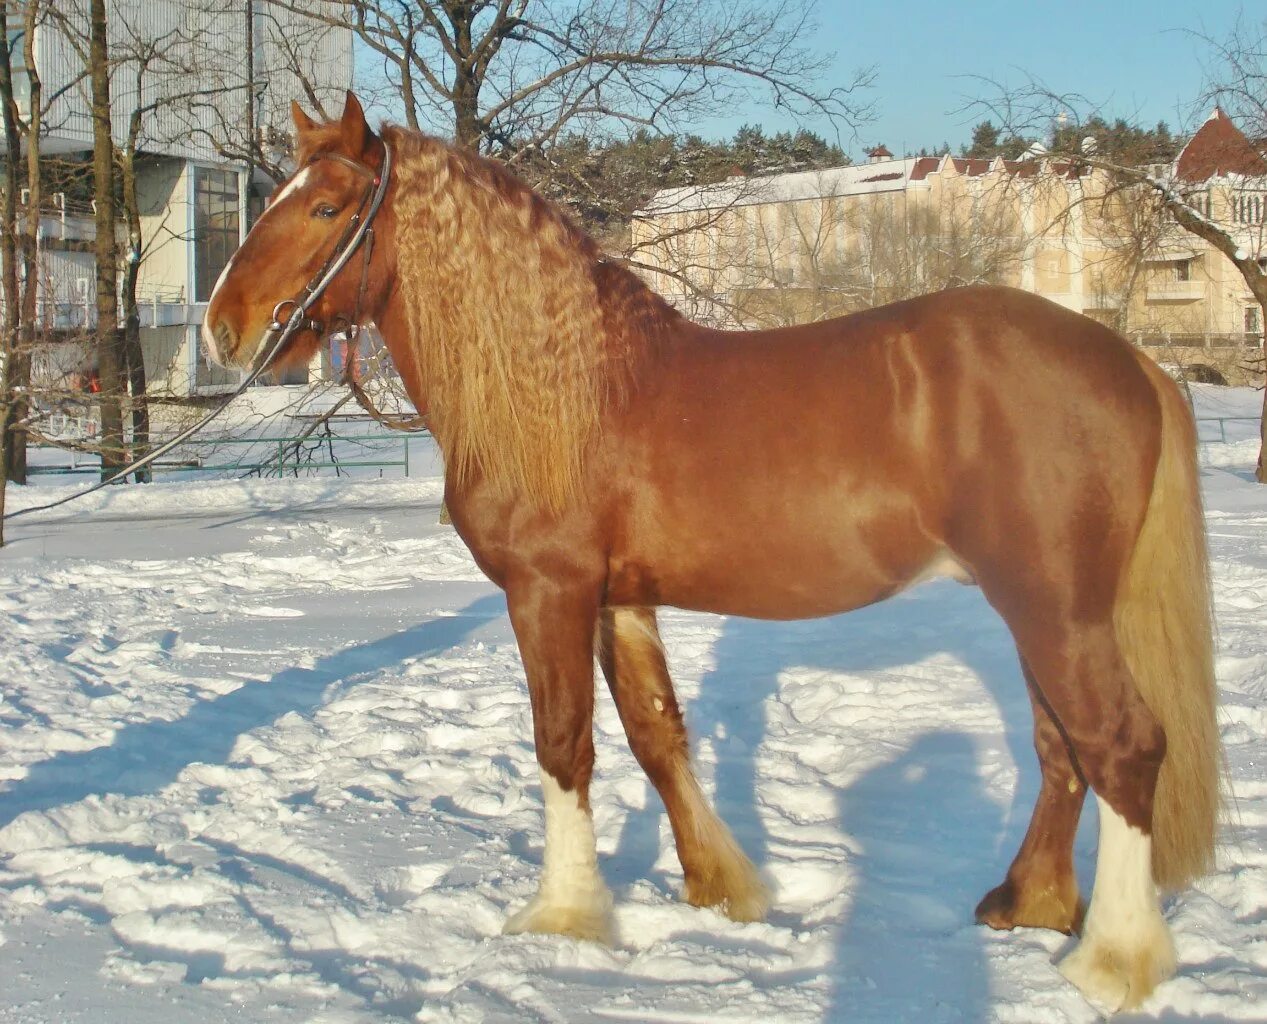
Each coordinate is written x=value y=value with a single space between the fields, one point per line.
x=265 y=756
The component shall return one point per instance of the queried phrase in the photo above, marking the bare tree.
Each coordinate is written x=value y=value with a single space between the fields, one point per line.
x=1238 y=83
x=110 y=356
x=1238 y=76
x=765 y=258
x=511 y=75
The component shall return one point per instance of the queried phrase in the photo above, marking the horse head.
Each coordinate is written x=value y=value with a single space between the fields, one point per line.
x=310 y=222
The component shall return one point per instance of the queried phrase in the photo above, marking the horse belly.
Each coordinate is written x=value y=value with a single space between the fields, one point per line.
x=774 y=557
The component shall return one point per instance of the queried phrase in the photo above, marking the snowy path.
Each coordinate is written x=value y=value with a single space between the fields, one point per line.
x=265 y=756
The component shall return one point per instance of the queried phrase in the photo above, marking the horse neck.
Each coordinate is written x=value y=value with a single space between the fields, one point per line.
x=393 y=327
x=509 y=329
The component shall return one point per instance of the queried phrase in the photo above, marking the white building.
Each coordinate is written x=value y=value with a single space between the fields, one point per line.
x=189 y=66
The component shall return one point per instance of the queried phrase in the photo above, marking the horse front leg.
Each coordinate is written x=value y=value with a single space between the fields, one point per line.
x=554 y=626
x=718 y=874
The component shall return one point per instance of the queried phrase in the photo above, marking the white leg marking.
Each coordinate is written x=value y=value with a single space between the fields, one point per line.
x=572 y=898
x=1126 y=948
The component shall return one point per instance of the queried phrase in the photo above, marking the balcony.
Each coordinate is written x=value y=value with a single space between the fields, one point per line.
x=65 y=315
x=167 y=307
x=170 y=314
x=1177 y=291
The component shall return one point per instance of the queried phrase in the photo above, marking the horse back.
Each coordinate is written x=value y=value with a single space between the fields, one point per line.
x=817 y=468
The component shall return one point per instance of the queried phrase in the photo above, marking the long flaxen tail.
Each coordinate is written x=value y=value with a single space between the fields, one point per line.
x=1164 y=626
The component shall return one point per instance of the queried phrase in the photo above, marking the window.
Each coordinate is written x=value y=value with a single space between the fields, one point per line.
x=1249 y=208
x=216 y=228
x=15 y=37
x=1253 y=323
x=1183 y=270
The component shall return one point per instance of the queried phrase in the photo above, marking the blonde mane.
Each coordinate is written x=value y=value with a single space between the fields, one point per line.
x=519 y=357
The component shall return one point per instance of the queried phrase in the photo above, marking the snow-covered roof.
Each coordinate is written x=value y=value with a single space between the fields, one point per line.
x=856 y=179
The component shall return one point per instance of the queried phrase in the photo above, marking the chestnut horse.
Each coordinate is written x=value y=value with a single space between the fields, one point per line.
x=605 y=456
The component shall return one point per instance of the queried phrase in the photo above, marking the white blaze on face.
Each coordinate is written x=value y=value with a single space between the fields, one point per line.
x=294 y=185
x=208 y=339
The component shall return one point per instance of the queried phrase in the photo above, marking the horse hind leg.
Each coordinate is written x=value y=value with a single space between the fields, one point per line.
x=1126 y=949
x=717 y=872
x=1041 y=888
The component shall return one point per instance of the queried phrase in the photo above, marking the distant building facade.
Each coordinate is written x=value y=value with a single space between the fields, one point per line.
x=196 y=201
x=803 y=246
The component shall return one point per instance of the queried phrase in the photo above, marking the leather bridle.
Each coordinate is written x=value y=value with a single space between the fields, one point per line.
x=291 y=315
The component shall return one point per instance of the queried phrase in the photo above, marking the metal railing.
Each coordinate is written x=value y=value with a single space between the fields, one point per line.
x=1222 y=422
x=1168 y=339
x=287 y=456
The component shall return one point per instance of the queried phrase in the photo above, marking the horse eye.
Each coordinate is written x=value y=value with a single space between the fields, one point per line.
x=325 y=211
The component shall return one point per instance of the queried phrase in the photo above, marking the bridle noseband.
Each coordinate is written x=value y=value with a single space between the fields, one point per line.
x=291 y=315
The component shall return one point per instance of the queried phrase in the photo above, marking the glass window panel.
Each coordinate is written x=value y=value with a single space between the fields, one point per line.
x=216 y=226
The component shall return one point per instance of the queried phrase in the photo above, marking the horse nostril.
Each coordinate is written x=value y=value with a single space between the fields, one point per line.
x=226 y=341
x=218 y=339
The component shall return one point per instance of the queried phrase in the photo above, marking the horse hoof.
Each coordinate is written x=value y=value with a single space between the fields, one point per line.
x=591 y=921
x=745 y=904
x=1003 y=909
x=1118 y=979
x=721 y=876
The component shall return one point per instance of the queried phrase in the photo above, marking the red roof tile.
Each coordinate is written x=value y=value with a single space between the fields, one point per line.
x=1219 y=147
x=924 y=166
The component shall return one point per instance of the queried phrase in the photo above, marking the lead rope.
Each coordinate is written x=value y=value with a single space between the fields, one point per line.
x=298 y=318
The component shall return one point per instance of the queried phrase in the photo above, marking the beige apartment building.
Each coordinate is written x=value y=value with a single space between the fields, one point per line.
x=793 y=247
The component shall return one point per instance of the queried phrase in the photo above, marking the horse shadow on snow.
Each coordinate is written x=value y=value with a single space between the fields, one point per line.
x=144 y=757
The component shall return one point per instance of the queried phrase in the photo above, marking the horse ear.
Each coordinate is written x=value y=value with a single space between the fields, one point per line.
x=358 y=138
x=303 y=123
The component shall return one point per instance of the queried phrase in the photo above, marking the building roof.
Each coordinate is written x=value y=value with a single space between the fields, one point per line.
x=884 y=176
x=1217 y=149
x=832 y=182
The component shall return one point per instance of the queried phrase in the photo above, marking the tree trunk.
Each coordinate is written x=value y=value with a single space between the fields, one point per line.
x=1260 y=472
x=466 y=120
x=8 y=256
x=110 y=363
x=133 y=354
x=15 y=414
x=467 y=128
x=20 y=372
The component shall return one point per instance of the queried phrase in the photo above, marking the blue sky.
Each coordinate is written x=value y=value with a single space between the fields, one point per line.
x=1137 y=60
